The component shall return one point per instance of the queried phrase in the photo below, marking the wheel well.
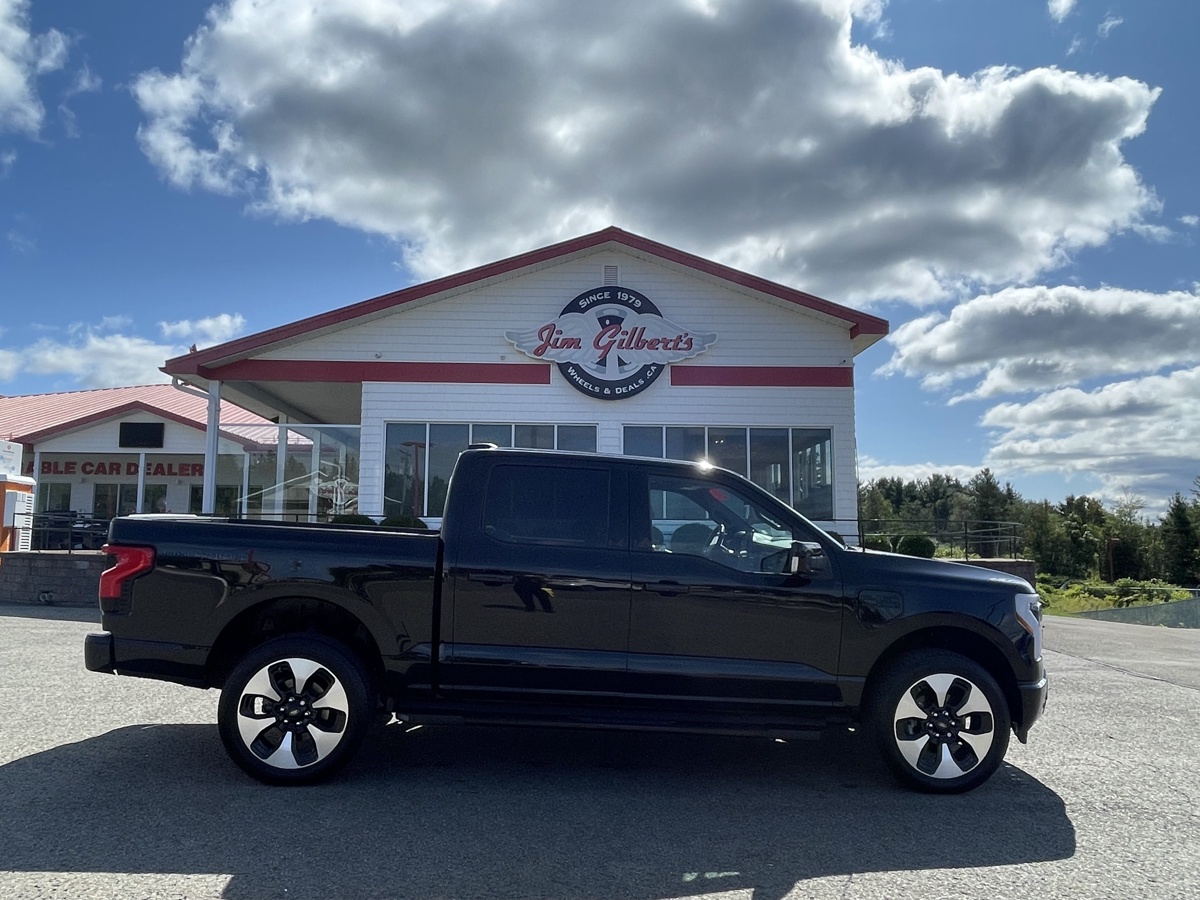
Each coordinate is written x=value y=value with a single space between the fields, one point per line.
x=955 y=640
x=291 y=615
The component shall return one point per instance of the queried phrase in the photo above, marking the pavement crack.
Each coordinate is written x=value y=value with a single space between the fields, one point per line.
x=1124 y=671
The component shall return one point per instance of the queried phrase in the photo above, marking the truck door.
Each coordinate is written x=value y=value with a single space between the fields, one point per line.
x=539 y=597
x=716 y=620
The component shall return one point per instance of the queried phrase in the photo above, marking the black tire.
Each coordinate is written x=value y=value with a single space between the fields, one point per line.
x=940 y=721
x=294 y=710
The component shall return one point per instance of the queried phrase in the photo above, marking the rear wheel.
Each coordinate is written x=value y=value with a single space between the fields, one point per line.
x=940 y=720
x=294 y=710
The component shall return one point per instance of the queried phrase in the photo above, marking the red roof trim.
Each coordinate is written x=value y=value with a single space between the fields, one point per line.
x=193 y=363
x=335 y=371
x=762 y=376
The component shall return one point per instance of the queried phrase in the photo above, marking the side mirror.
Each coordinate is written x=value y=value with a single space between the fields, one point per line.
x=805 y=558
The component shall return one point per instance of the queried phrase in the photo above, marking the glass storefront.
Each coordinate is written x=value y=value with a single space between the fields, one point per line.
x=311 y=473
x=419 y=457
x=314 y=479
x=794 y=464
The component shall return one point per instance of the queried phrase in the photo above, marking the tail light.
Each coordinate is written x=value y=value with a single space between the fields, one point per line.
x=128 y=563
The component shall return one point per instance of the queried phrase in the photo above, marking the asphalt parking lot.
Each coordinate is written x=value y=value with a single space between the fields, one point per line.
x=116 y=787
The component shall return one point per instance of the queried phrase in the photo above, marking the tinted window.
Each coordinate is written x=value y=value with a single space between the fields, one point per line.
x=547 y=505
x=141 y=434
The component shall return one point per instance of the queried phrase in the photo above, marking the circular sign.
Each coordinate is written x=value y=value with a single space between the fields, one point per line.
x=612 y=376
x=611 y=342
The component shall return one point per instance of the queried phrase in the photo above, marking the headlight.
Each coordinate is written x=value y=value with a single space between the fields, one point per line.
x=1029 y=614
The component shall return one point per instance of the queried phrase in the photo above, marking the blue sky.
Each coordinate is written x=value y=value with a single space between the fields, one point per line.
x=1010 y=184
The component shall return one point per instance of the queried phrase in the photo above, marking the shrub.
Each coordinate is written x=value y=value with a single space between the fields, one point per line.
x=403 y=522
x=352 y=519
x=917 y=545
x=877 y=542
x=1076 y=597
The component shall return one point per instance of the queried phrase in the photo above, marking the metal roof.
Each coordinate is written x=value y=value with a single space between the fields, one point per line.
x=31 y=418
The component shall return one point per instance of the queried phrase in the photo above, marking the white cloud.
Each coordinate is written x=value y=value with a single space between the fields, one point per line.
x=100 y=355
x=84 y=82
x=753 y=133
x=1060 y=9
x=871 y=469
x=23 y=57
x=205 y=332
x=20 y=243
x=1138 y=432
x=1040 y=338
x=1104 y=29
x=98 y=360
x=1190 y=221
x=1138 y=435
x=10 y=365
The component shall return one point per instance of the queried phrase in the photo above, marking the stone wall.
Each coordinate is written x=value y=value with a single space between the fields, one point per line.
x=51 y=578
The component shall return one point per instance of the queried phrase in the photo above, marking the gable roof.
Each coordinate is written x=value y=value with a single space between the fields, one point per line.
x=864 y=329
x=31 y=418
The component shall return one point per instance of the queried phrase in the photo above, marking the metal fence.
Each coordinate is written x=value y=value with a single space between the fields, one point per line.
x=67 y=530
x=971 y=537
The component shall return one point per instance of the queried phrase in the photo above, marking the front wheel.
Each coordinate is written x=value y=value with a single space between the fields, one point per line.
x=940 y=720
x=294 y=710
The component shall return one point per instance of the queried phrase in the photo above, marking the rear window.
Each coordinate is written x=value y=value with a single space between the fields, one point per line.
x=547 y=505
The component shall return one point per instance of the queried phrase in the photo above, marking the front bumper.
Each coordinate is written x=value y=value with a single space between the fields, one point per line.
x=1033 y=704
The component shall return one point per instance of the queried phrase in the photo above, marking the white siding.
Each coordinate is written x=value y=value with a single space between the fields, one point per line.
x=470 y=327
x=104 y=437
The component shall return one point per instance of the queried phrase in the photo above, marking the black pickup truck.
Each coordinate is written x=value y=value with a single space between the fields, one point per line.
x=578 y=589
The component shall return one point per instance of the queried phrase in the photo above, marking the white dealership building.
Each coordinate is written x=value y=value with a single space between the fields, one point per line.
x=608 y=342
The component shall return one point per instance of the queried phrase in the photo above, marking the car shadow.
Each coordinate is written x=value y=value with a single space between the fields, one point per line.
x=505 y=812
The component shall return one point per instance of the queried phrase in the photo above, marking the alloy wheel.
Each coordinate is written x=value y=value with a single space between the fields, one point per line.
x=944 y=726
x=292 y=713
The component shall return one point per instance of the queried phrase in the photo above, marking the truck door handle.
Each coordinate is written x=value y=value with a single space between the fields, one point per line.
x=490 y=580
x=666 y=588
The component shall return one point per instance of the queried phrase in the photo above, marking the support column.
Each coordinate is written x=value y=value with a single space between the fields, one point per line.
x=211 y=443
x=139 y=505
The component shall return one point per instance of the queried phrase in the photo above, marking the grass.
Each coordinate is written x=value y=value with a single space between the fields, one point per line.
x=1065 y=598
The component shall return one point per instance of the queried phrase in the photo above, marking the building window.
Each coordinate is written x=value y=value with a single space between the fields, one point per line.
x=53 y=497
x=141 y=434
x=419 y=457
x=111 y=500
x=154 y=498
x=793 y=464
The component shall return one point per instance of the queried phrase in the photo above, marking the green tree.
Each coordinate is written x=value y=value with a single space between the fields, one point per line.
x=1128 y=537
x=937 y=494
x=1086 y=523
x=895 y=490
x=1045 y=538
x=874 y=508
x=1181 y=547
x=988 y=504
